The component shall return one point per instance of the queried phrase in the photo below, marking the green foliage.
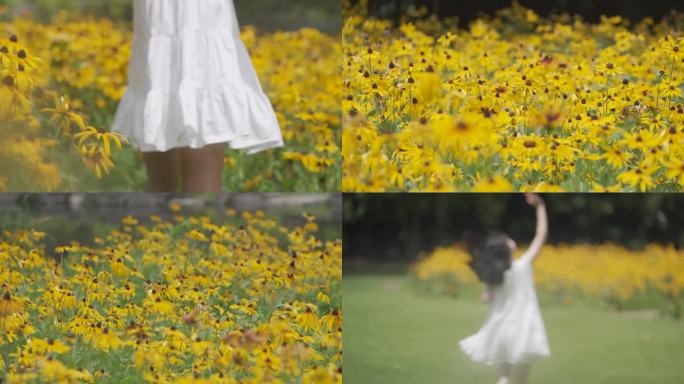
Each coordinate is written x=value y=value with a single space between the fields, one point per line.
x=117 y=9
x=394 y=336
x=324 y=15
x=445 y=284
x=393 y=227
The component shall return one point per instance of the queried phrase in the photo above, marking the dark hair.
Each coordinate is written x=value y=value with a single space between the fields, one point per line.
x=490 y=256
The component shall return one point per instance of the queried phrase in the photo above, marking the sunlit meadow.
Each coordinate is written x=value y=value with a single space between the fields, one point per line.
x=184 y=300
x=652 y=278
x=513 y=102
x=60 y=84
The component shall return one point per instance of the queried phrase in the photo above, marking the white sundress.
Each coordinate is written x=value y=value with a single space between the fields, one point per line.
x=191 y=82
x=513 y=331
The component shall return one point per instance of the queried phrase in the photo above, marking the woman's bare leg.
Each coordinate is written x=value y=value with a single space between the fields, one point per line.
x=520 y=373
x=202 y=169
x=163 y=171
x=505 y=374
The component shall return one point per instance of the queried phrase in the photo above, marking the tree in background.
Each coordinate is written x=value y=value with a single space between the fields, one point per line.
x=397 y=227
x=467 y=11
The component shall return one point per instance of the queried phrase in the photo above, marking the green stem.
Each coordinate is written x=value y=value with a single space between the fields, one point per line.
x=410 y=99
x=638 y=119
x=467 y=87
x=605 y=101
x=669 y=81
x=671 y=70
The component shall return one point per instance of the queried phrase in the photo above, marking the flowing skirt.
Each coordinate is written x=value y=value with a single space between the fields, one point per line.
x=191 y=81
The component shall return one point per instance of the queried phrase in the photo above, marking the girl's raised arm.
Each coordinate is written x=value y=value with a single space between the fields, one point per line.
x=542 y=225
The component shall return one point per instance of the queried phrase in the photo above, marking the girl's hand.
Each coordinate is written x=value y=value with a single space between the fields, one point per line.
x=542 y=226
x=486 y=295
x=534 y=199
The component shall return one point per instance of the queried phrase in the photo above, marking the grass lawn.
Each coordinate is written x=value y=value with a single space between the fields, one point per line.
x=392 y=334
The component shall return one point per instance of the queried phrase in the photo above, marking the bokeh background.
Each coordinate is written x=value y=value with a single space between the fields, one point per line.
x=381 y=228
x=83 y=216
x=610 y=281
x=270 y=15
x=467 y=11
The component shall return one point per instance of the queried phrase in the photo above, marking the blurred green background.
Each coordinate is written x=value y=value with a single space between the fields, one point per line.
x=325 y=15
x=393 y=334
x=397 y=227
x=399 y=329
x=66 y=217
x=467 y=11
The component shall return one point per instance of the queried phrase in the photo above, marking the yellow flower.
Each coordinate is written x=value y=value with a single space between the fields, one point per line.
x=319 y=375
x=129 y=221
x=105 y=339
x=63 y=116
x=616 y=156
x=676 y=171
x=161 y=306
x=611 y=189
x=308 y=320
x=332 y=320
x=322 y=297
x=9 y=305
x=477 y=101
x=640 y=176
x=616 y=276
x=42 y=347
x=429 y=86
x=102 y=137
x=96 y=159
x=493 y=184
x=118 y=268
x=245 y=302
x=197 y=235
x=673 y=46
x=610 y=69
x=219 y=249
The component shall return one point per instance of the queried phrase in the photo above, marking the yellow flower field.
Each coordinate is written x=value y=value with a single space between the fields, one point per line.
x=180 y=301
x=60 y=84
x=608 y=272
x=514 y=102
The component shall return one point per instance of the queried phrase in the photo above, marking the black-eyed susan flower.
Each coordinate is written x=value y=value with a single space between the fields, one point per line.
x=493 y=184
x=63 y=116
x=96 y=159
x=188 y=310
x=103 y=138
x=640 y=177
x=617 y=156
x=541 y=110
x=10 y=305
x=307 y=318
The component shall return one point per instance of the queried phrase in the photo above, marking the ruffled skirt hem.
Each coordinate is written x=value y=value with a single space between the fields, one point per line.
x=157 y=120
x=470 y=346
x=251 y=147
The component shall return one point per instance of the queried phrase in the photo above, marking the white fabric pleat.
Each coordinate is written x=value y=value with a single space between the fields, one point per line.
x=191 y=82
x=513 y=331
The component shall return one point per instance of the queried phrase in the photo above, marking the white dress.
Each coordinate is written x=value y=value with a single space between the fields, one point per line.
x=191 y=82
x=513 y=331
